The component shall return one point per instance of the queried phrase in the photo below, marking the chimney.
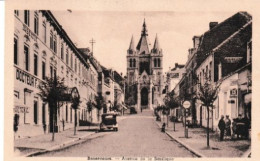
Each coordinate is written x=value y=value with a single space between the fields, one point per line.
x=212 y=25
x=196 y=41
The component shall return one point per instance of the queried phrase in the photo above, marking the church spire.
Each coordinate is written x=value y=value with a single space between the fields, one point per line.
x=156 y=43
x=143 y=44
x=144 y=31
x=132 y=44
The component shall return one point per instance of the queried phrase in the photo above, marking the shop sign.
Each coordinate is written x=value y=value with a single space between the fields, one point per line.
x=231 y=101
x=233 y=92
x=233 y=59
x=21 y=109
x=26 y=78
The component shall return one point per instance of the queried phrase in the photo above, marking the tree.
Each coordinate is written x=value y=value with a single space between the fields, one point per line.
x=171 y=101
x=100 y=103
x=207 y=94
x=75 y=100
x=53 y=91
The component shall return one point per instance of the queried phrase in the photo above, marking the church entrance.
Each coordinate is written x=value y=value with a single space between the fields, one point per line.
x=144 y=98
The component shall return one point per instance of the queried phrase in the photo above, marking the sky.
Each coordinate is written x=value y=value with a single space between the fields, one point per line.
x=112 y=32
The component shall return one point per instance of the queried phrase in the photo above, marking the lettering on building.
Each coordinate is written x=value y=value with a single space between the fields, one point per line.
x=26 y=78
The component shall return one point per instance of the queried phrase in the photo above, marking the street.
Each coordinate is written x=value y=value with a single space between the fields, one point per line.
x=138 y=136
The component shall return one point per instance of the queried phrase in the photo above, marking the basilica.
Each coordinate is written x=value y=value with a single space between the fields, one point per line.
x=145 y=72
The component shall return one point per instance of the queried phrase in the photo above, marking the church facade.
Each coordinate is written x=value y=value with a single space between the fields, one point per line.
x=145 y=72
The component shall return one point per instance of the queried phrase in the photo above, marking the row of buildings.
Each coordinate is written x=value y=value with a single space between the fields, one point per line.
x=221 y=55
x=43 y=49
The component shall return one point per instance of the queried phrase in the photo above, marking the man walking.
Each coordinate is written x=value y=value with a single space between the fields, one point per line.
x=221 y=126
x=228 y=127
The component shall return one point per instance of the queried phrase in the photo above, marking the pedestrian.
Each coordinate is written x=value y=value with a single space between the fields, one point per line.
x=240 y=126
x=234 y=128
x=228 y=127
x=221 y=126
x=163 y=127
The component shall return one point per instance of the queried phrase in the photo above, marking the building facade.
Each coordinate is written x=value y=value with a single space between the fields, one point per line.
x=145 y=80
x=43 y=49
x=227 y=62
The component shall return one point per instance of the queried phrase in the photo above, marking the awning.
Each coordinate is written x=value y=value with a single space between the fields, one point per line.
x=248 y=98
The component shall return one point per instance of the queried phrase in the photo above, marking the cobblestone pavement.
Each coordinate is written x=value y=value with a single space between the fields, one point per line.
x=197 y=142
x=138 y=136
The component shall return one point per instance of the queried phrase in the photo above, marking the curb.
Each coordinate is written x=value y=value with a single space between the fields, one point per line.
x=198 y=154
x=60 y=146
x=247 y=154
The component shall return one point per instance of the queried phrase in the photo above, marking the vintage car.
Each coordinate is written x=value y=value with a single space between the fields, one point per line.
x=108 y=122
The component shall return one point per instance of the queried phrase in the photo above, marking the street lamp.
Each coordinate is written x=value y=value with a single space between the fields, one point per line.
x=186 y=104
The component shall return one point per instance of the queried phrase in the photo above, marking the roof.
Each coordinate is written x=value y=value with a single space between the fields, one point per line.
x=156 y=43
x=62 y=32
x=132 y=44
x=177 y=66
x=143 y=44
x=212 y=38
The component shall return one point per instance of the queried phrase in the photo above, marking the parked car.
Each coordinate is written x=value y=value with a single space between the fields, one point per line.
x=108 y=122
x=133 y=110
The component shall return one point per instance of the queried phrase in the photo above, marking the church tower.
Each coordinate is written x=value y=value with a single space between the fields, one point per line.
x=144 y=72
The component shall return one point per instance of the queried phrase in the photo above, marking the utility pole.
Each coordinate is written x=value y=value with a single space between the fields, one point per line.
x=92 y=42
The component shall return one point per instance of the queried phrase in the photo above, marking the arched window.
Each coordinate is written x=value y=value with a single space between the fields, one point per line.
x=159 y=62
x=155 y=63
x=130 y=62
x=134 y=63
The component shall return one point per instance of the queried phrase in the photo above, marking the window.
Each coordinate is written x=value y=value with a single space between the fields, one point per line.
x=27 y=17
x=159 y=63
x=55 y=72
x=210 y=67
x=134 y=63
x=249 y=52
x=71 y=60
x=75 y=65
x=61 y=52
x=36 y=23
x=16 y=12
x=43 y=70
x=55 y=44
x=35 y=64
x=44 y=31
x=51 y=40
x=79 y=68
x=219 y=71
x=130 y=62
x=35 y=112
x=43 y=114
x=155 y=63
x=207 y=70
x=67 y=56
x=70 y=114
x=51 y=71
x=66 y=118
x=15 y=51
x=26 y=57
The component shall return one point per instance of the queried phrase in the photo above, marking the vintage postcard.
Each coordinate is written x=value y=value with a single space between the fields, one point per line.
x=131 y=80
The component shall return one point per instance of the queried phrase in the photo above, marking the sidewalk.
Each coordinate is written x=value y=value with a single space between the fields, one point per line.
x=43 y=143
x=197 y=142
